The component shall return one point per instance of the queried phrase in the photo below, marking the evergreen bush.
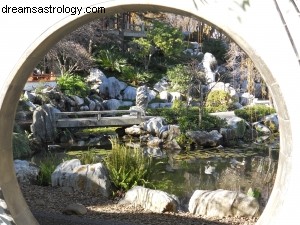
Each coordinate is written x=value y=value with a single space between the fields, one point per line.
x=254 y=113
x=218 y=101
x=71 y=84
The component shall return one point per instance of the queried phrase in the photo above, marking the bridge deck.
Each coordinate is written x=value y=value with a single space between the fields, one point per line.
x=99 y=119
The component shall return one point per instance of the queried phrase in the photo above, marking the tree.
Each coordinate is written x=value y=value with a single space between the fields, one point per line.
x=69 y=56
x=164 y=38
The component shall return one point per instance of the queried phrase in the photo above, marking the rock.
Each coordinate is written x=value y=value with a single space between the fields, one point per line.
x=75 y=208
x=84 y=108
x=175 y=96
x=60 y=175
x=262 y=129
x=154 y=142
x=204 y=138
x=171 y=145
x=134 y=130
x=222 y=203
x=153 y=125
x=26 y=172
x=31 y=106
x=111 y=104
x=5 y=216
x=95 y=76
x=129 y=93
x=246 y=99
x=210 y=64
x=169 y=132
x=271 y=121
x=152 y=200
x=164 y=95
x=152 y=94
x=229 y=134
x=91 y=104
x=238 y=125
x=126 y=103
x=30 y=96
x=114 y=88
x=162 y=85
x=43 y=126
x=79 y=101
x=123 y=85
x=92 y=178
x=142 y=98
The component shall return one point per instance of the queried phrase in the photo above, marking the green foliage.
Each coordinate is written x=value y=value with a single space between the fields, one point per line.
x=127 y=167
x=179 y=77
x=254 y=113
x=47 y=167
x=218 y=101
x=163 y=39
x=215 y=47
x=166 y=38
x=187 y=117
x=72 y=84
x=21 y=147
x=89 y=157
x=254 y=193
x=111 y=60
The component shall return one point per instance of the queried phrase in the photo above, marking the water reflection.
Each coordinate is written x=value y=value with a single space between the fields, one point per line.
x=253 y=174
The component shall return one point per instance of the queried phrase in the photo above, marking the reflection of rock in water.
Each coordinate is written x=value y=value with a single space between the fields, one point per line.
x=210 y=176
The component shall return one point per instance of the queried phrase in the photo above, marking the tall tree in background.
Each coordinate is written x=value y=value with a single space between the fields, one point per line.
x=162 y=37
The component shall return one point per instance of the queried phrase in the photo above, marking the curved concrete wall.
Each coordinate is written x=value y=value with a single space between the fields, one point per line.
x=267 y=30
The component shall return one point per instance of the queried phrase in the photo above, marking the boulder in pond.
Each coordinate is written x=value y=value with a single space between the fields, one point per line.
x=204 y=138
x=43 y=124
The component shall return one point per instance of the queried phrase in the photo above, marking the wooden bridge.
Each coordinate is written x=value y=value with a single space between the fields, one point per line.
x=110 y=118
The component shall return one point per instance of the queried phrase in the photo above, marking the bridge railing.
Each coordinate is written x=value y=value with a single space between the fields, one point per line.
x=98 y=114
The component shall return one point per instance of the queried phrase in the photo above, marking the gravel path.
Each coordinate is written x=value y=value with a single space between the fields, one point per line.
x=47 y=204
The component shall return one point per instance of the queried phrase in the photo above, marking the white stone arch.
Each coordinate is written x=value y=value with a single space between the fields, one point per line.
x=266 y=30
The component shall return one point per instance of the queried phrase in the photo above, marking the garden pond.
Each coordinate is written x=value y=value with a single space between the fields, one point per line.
x=248 y=168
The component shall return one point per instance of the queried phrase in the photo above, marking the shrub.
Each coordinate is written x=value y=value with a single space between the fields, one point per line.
x=218 y=101
x=89 y=157
x=47 y=167
x=71 y=84
x=111 y=60
x=254 y=113
x=127 y=167
x=21 y=147
x=187 y=117
x=215 y=47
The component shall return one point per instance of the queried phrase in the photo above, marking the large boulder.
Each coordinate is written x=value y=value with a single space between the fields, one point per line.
x=222 y=203
x=92 y=178
x=209 y=63
x=114 y=88
x=43 y=124
x=153 y=125
x=129 y=93
x=238 y=125
x=152 y=200
x=162 y=85
x=169 y=132
x=26 y=172
x=111 y=104
x=142 y=97
x=204 y=138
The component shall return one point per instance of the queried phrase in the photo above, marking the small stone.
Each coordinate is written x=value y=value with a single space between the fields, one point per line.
x=75 y=208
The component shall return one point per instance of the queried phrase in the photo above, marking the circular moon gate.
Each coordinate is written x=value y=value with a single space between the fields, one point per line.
x=266 y=30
